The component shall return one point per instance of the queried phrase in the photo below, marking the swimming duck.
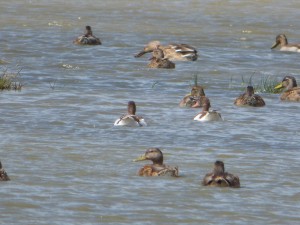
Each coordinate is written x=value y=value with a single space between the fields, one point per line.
x=249 y=99
x=219 y=178
x=157 y=168
x=3 y=174
x=158 y=60
x=88 y=38
x=174 y=52
x=206 y=114
x=284 y=46
x=130 y=119
x=292 y=91
x=194 y=99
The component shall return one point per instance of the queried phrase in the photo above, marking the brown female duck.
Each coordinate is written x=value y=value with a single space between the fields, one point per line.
x=159 y=61
x=281 y=41
x=194 y=99
x=249 y=99
x=157 y=168
x=219 y=178
x=292 y=91
x=174 y=52
x=3 y=174
x=88 y=38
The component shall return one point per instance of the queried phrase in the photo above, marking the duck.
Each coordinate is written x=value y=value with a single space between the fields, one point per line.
x=3 y=174
x=249 y=99
x=157 y=168
x=194 y=99
x=292 y=91
x=281 y=41
x=219 y=178
x=88 y=38
x=206 y=114
x=159 y=61
x=174 y=52
x=130 y=119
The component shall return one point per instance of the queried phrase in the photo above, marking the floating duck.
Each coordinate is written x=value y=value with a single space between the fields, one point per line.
x=158 y=60
x=130 y=119
x=281 y=40
x=206 y=114
x=195 y=99
x=174 y=52
x=157 y=168
x=3 y=174
x=292 y=91
x=88 y=38
x=249 y=99
x=219 y=178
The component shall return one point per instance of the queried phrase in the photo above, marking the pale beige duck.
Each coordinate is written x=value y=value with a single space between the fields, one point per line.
x=219 y=178
x=291 y=90
x=174 y=52
x=207 y=114
x=283 y=44
x=157 y=168
x=249 y=99
x=3 y=174
x=159 y=61
x=130 y=119
x=88 y=38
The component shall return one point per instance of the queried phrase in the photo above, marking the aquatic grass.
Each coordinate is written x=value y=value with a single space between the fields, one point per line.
x=10 y=81
x=266 y=84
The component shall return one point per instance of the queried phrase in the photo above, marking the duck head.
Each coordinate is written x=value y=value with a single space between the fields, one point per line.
x=153 y=154
x=250 y=91
x=206 y=105
x=131 y=107
x=280 y=40
x=288 y=82
x=219 y=167
x=148 y=48
x=197 y=91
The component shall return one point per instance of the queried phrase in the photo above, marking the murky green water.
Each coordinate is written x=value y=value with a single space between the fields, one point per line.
x=69 y=165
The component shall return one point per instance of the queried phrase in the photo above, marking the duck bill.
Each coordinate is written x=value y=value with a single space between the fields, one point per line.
x=140 y=54
x=141 y=158
x=275 y=45
x=279 y=86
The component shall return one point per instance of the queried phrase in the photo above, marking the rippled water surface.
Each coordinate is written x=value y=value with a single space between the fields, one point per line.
x=69 y=165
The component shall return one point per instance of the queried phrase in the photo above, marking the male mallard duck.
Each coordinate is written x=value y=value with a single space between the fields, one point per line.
x=3 y=174
x=284 y=46
x=158 y=60
x=194 y=99
x=292 y=92
x=174 y=52
x=219 y=178
x=88 y=38
x=207 y=115
x=249 y=99
x=130 y=119
x=157 y=168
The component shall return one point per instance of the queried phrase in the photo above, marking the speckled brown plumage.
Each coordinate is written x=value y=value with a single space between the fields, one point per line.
x=292 y=91
x=249 y=99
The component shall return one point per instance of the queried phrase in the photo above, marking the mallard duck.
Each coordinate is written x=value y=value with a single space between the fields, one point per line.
x=88 y=38
x=174 y=52
x=157 y=168
x=249 y=99
x=281 y=40
x=3 y=174
x=292 y=91
x=206 y=114
x=219 y=178
x=194 y=99
x=130 y=119
x=158 y=60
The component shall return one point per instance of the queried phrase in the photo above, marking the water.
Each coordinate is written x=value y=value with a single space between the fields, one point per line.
x=69 y=165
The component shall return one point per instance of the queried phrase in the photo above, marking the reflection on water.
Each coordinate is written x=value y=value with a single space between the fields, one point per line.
x=68 y=164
